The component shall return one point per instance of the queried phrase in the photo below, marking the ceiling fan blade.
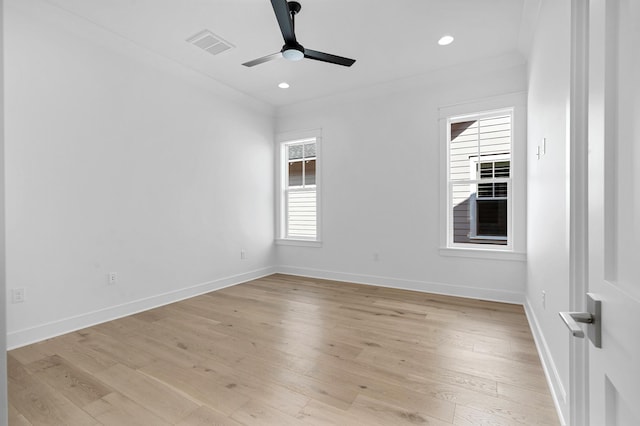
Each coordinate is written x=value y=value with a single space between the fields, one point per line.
x=281 y=8
x=326 y=57
x=267 y=58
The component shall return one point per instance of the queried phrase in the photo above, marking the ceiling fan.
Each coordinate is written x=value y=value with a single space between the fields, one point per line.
x=292 y=50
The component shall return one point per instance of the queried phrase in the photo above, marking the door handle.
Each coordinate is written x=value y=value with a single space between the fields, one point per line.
x=571 y=320
x=593 y=317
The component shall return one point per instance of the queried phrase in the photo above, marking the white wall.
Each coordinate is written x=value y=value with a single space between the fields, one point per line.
x=381 y=184
x=3 y=317
x=121 y=160
x=548 y=203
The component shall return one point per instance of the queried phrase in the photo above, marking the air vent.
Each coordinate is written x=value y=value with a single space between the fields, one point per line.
x=208 y=41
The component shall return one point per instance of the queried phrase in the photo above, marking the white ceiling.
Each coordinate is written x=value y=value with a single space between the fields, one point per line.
x=390 y=40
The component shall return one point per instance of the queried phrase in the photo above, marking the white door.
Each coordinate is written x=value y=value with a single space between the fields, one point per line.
x=614 y=209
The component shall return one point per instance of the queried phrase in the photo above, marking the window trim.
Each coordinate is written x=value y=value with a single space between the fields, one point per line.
x=288 y=189
x=516 y=250
x=282 y=140
x=450 y=184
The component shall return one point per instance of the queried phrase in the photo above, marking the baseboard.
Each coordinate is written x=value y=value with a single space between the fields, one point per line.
x=558 y=392
x=403 y=284
x=41 y=332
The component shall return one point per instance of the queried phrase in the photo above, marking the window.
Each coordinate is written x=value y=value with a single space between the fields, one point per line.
x=299 y=189
x=479 y=179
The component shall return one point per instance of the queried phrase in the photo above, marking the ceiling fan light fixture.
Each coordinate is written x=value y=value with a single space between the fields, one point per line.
x=292 y=54
x=445 y=40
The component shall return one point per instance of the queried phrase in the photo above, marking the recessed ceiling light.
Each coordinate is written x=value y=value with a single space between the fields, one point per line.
x=283 y=85
x=445 y=40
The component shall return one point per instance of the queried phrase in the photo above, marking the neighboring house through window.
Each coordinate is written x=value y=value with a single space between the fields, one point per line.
x=479 y=178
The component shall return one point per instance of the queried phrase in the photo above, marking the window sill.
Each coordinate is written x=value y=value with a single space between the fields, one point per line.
x=477 y=253
x=298 y=243
x=482 y=237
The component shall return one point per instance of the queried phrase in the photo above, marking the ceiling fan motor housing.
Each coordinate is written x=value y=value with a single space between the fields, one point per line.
x=294 y=7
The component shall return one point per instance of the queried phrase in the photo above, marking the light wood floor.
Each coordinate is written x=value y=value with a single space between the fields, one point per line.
x=288 y=350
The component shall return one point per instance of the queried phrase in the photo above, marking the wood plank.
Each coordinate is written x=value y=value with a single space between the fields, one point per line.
x=116 y=409
x=16 y=418
x=394 y=394
x=114 y=348
x=31 y=353
x=467 y=416
x=540 y=399
x=206 y=416
x=38 y=402
x=318 y=413
x=377 y=411
x=267 y=392
x=78 y=386
x=163 y=401
x=257 y=414
x=203 y=386
x=68 y=348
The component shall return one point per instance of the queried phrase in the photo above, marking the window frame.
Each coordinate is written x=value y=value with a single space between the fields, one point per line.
x=515 y=250
x=283 y=141
x=288 y=189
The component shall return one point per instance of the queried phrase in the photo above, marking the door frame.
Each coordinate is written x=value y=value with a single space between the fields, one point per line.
x=4 y=417
x=578 y=207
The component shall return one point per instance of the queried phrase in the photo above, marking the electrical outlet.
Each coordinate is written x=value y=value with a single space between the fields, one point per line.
x=544 y=299
x=17 y=295
x=112 y=278
x=243 y=254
